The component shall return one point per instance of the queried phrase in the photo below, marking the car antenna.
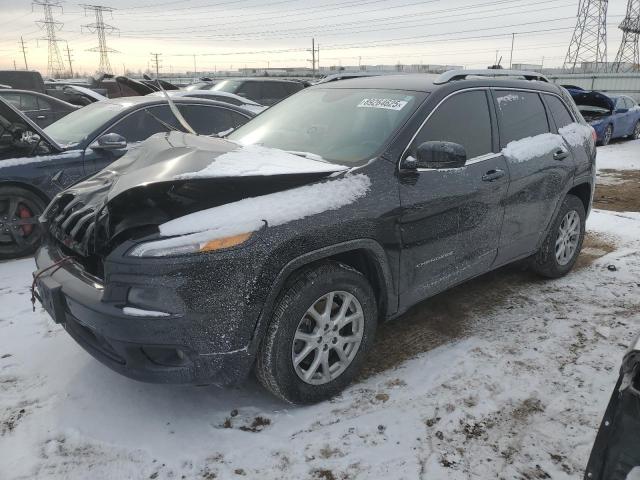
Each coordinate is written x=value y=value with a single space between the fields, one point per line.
x=174 y=110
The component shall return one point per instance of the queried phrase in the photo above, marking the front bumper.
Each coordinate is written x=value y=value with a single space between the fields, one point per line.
x=202 y=342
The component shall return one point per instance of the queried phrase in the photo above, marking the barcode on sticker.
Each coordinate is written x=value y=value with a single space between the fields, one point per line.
x=386 y=103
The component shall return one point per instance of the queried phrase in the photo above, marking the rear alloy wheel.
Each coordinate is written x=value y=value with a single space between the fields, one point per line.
x=563 y=243
x=20 y=231
x=607 y=136
x=321 y=329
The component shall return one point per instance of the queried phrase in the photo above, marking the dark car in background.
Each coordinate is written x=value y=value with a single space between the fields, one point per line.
x=42 y=109
x=611 y=116
x=36 y=164
x=616 y=451
x=282 y=247
x=265 y=91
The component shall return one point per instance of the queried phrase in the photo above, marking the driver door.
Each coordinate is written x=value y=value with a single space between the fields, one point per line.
x=451 y=218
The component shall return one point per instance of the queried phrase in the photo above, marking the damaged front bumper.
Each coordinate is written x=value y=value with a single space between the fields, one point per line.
x=165 y=322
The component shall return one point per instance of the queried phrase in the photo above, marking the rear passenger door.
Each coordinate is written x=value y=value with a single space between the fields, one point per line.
x=539 y=170
x=451 y=218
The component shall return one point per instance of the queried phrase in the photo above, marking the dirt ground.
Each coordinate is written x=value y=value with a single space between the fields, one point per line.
x=621 y=191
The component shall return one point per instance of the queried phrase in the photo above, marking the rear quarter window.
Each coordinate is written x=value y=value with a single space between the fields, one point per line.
x=520 y=114
x=558 y=111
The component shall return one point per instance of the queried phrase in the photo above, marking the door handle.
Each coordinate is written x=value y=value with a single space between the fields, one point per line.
x=560 y=154
x=493 y=175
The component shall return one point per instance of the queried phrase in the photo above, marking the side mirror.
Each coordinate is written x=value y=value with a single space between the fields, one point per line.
x=622 y=110
x=110 y=141
x=437 y=155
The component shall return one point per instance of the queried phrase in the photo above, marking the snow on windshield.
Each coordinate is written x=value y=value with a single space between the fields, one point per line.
x=256 y=160
x=250 y=214
x=531 y=147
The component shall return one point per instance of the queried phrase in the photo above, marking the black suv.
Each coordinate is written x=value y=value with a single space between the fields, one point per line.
x=280 y=248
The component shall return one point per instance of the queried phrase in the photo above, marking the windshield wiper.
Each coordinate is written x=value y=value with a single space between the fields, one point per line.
x=308 y=155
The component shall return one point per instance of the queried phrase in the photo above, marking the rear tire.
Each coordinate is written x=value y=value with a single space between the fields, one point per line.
x=20 y=233
x=635 y=135
x=299 y=358
x=561 y=247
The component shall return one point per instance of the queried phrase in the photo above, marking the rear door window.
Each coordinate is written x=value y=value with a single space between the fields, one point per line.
x=464 y=119
x=559 y=111
x=143 y=123
x=28 y=102
x=521 y=115
x=211 y=120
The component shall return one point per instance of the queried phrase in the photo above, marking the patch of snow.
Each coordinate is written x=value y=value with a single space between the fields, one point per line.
x=623 y=155
x=250 y=214
x=138 y=312
x=511 y=97
x=226 y=132
x=14 y=162
x=576 y=134
x=531 y=147
x=256 y=160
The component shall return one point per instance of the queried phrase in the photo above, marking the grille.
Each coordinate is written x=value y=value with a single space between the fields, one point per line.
x=73 y=225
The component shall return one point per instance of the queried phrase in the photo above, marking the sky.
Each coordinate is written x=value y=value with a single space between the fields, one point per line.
x=231 y=34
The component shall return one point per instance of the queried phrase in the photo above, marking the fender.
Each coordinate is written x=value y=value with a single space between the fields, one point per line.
x=370 y=245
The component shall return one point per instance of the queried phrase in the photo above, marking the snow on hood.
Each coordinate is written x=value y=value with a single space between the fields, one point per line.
x=256 y=160
x=531 y=147
x=250 y=214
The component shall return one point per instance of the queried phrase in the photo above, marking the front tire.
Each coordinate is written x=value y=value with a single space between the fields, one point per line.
x=321 y=329
x=607 y=136
x=561 y=247
x=635 y=135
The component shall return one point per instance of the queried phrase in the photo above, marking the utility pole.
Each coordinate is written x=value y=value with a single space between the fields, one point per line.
x=628 y=56
x=102 y=29
x=315 y=56
x=513 y=39
x=14 y=64
x=69 y=58
x=589 y=39
x=195 y=68
x=24 y=53
x=55 y=65
x=156 y=61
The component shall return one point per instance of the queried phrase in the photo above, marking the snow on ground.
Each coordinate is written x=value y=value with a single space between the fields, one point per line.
x=509 y=378
x=623 y=155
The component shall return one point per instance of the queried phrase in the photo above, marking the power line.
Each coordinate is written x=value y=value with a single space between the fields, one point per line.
x=102 y=29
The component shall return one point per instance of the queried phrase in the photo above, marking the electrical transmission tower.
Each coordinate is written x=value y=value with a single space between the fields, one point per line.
x=589 y=40
x=55 y=65
x=102 y=29
x=628 y=57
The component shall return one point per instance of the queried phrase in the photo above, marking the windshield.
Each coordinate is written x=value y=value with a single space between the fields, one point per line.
x=227 y=86
x=345 y=126
x=76 y=126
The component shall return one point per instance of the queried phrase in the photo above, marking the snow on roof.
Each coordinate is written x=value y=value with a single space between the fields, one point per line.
x=531 y=147
x=256 y=160
x=250 y=214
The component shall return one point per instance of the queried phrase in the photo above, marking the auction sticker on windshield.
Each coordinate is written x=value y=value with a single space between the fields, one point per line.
x=385 y=103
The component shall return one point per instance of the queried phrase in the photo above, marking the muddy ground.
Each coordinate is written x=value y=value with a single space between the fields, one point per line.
x=618 y=190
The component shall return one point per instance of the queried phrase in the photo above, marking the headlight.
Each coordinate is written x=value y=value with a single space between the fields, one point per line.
x=197 y=243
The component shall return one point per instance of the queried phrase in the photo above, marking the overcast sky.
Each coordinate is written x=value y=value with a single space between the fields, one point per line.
x=228 y=34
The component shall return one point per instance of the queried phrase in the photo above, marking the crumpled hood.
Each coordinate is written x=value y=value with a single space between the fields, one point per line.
x=179 y=157
x=592 y=99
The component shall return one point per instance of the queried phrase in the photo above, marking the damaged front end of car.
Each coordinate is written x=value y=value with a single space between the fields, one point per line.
x=616 y=451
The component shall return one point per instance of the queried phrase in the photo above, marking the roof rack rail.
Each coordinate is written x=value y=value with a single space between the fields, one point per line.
x=452 y=75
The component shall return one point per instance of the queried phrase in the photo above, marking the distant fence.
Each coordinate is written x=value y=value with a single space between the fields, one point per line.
x=613 y=83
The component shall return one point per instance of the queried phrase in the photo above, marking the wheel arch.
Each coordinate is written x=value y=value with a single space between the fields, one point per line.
x=583 y=191
x=365 y=255
x=26 y=186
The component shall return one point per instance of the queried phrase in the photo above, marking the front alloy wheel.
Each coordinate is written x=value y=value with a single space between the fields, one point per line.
x=20 y=231
x=607 y=136
x=321 y=328
x=327 y=338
